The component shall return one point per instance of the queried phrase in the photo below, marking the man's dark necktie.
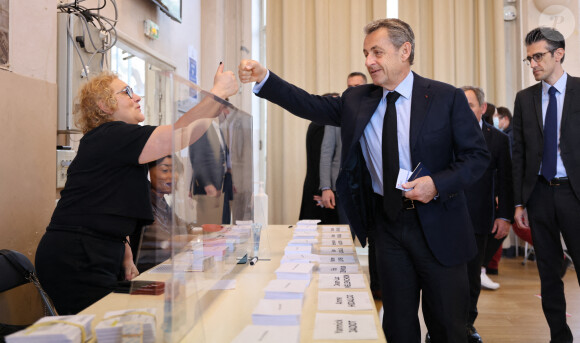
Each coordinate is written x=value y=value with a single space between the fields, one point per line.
x=550 y=137
x=392 y=197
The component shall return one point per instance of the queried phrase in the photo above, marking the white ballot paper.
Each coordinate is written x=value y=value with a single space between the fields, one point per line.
x=112 y=327
x=337 y=259
x=344 y=301
x=402 y=178
x=298 y=250
x=335 y=242
x=63 y=329
x=295 y=271
x=268 y=334
x=302 y=242
x=338 y=250
x=307 y=222
x=306 y=234
x=306 y=228
x=338 y=269
x=341 y=281
x=335 y=229
x=338 y=326
x=286 y=289
x=277 y=312
x=300 y=258
x=336 y=235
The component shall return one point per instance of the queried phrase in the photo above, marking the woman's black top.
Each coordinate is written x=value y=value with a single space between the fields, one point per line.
x=107 y=189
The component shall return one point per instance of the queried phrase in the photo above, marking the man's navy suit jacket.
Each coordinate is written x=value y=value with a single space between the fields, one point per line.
x=497 y=180
x=528 y=146
x=444 y=136
x=208 y=160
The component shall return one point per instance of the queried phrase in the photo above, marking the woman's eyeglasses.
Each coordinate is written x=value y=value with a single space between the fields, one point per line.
x=127 y=90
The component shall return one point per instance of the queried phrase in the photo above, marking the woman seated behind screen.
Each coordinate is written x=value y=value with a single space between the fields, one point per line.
x=156 y=240
x=85 y=250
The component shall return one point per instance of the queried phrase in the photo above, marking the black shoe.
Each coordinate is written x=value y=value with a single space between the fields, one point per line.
x=565 y=264
x=472 y=335
x=427 y=338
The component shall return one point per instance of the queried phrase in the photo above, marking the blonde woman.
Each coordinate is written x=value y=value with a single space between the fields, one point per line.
x=84 y=251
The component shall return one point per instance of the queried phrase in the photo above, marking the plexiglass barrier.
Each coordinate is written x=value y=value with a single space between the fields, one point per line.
x=198 y=194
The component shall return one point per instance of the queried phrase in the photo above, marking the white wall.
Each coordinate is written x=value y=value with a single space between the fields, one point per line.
x=33 y=39
x=174 y=37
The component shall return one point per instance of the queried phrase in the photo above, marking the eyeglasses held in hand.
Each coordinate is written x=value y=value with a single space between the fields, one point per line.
x=127 y=90
x=537 y=57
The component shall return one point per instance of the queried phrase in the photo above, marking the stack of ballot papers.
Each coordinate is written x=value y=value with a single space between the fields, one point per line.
x=295 y=271
x=56 y=329
x=116 y=325
x=301 y=242
x=268 y=334
x=332 y=268
x=218 y=252
x=342 y=281
x=277 y=312
x=346 y=259
x=308 y=234
x=308 y=222
x=337 y=242
x=300 y=258
x=286 y=289
x=307 y=225
x=344 y=229
x=344 y=301
x=298 y=250
x=336 y=250
x=340 y=326
x=336 y=235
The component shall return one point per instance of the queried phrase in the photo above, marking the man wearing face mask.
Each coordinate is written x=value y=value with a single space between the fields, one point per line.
x=502 y=119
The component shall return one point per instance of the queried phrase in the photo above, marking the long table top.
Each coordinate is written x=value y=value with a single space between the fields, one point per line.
x=225 y=313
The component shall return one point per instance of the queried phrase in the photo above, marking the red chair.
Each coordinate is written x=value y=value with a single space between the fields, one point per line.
x=526 y=235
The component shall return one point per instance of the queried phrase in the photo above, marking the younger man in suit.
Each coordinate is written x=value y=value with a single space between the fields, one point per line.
x=546 y=168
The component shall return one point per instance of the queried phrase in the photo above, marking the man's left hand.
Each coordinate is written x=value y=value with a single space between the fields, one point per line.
x=423 y=189
x=501 y=228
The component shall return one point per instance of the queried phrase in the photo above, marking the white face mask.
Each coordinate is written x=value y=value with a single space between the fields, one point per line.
x=496 y=122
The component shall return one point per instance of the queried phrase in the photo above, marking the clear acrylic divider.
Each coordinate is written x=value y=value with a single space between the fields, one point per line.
x=193 y=244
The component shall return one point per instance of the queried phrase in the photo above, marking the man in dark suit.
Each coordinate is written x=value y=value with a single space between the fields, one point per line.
x=208 y=157
x=546 y=168
x=423 y=238
x=490 y=225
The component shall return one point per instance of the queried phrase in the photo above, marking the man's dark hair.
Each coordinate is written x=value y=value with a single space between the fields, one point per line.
x=357 y=73
x=553 y=38
x=503 y=112
x=489 y=112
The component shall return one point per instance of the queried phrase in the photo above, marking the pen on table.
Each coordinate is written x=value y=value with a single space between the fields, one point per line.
x=254 y=260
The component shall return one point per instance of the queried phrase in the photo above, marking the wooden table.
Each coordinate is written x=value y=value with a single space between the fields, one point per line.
x=220 y=315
